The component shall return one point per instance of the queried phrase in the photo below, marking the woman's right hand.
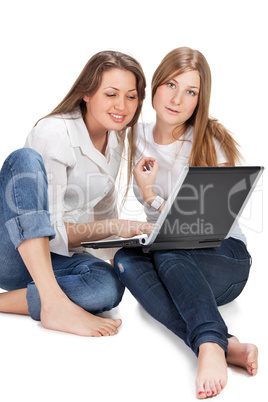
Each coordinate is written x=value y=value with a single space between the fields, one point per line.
x=145 y=174
x=127 y=228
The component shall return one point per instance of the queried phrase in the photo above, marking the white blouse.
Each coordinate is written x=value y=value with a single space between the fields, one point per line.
x=171 y=159
x=80 y=178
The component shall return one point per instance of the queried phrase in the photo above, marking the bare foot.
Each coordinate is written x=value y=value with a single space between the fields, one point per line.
x=66 y=316
x=212 y=370
x=243 y=355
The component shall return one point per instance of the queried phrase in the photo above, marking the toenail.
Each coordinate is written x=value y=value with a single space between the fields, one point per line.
x=202 y=392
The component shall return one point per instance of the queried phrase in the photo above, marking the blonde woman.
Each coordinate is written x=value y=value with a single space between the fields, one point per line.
x=182 y=288
x=60 y=188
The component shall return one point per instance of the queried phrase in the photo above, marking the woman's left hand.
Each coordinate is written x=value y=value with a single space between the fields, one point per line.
x=145 y=174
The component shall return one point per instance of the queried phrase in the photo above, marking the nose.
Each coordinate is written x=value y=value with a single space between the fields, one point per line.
x=177 y=98
x=120 y=103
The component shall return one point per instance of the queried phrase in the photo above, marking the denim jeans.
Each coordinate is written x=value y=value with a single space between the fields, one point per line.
x=182 y=288
x=24 y=214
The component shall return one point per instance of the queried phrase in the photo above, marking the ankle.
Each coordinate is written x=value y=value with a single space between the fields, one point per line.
x=52 y=298
x=210 y=347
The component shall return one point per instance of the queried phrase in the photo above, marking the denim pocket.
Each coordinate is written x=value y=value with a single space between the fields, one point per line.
x=231 y=293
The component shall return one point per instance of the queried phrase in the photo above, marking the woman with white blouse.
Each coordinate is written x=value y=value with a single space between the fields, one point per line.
x=58 y=191
x=182 y=289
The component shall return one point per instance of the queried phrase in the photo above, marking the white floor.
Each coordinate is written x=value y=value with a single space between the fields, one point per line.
x=144 y=362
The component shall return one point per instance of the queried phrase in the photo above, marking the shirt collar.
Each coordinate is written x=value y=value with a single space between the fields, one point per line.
x=79 y=137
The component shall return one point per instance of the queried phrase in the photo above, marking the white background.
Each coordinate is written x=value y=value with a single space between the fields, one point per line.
x=44 y=46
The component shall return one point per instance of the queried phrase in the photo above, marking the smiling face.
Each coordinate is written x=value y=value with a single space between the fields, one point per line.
x=114 y=103
x=175 y=100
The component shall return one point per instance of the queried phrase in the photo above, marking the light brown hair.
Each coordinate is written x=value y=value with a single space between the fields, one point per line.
x=90 y=78
x=203 y=151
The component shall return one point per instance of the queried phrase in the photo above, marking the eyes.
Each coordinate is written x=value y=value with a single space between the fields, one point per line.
x=188 y=91
x=114 y=95
x=171 y=85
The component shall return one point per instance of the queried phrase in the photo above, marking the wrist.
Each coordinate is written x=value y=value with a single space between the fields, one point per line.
x=156 y=203
x=149 y=197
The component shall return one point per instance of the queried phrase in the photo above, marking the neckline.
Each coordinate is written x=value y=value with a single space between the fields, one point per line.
x=172 y=144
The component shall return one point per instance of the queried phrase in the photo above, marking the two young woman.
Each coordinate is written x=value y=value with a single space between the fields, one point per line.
x=81 y=143
x=182 y=288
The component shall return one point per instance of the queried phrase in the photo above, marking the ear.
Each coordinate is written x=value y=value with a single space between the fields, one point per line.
x=86 y=98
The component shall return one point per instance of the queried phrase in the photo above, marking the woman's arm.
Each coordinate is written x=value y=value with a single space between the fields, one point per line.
x=58 y=157
x=145 y=174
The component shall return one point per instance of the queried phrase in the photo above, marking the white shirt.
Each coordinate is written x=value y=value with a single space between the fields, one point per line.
x=171 y=158
x=80 y=178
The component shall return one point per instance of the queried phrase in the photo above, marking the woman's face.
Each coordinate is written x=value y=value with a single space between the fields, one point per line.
x=114 y=103
x=176 y=100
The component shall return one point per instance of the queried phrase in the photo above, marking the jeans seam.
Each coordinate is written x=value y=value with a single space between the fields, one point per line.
x=21 y=231
x=230 y=288
x=171 y=259
x=14 y=187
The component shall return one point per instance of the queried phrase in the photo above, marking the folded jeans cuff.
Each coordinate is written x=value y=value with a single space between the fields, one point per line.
x=30 y=226
x=212 y=339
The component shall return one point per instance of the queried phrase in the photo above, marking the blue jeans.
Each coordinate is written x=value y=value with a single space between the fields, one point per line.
x=24 y=214
x=182 y=288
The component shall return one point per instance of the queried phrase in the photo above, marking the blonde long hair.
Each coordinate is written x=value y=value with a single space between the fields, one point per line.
x=90 y=78
x=203 y=151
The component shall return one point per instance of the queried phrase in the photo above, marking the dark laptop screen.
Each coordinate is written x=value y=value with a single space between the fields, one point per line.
x=207 y=203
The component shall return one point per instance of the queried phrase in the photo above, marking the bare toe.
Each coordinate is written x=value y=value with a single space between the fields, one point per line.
x=252 y=360
x=212 y=371
x=213 y=388
x=68 y=317
x=114 y=323
x=243 y=355
x=201 y=394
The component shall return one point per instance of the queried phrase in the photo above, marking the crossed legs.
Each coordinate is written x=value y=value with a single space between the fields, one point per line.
x=167 y=292
x=58 y=312
x=25 y=231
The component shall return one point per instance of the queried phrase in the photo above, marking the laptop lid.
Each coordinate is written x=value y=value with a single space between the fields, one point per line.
x=207 y=206
x=201 y=210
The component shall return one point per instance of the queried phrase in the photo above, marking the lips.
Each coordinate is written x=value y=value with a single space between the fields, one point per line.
x=118 y=118
x=172 y=111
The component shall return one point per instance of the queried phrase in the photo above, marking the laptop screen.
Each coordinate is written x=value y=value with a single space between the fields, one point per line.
x=208 y=202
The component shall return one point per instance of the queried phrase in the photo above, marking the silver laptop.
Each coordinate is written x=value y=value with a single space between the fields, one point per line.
x=200 y=212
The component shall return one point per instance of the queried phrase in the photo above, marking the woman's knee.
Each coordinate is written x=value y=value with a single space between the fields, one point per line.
x=94 y=291
x=98 y=288
x=24 y=157
x=124 y=260
x=118 y=262
x=23 y=168
x=113 y=290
